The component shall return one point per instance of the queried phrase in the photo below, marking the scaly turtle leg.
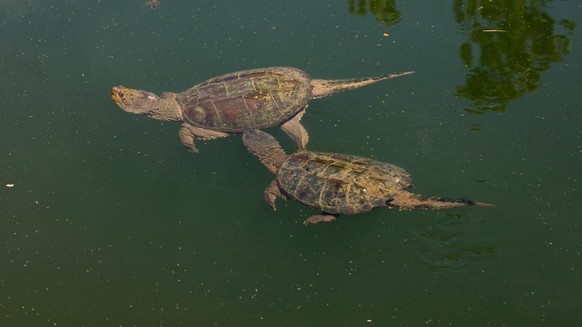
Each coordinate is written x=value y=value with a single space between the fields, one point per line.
x=264 y=146
x=319 y=218
x=188 y=133
x=296 y=131
x=272 y=192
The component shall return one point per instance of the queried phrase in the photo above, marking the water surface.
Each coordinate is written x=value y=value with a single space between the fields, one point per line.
x=106 y=220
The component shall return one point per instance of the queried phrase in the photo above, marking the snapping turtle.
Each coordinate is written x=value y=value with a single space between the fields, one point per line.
x=235 y=102
x=338 y=183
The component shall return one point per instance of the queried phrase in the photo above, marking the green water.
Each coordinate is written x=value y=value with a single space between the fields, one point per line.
x=106 y=220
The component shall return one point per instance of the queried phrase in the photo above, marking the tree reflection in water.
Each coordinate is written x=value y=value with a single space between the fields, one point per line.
x=510 y=43
x=384 y=11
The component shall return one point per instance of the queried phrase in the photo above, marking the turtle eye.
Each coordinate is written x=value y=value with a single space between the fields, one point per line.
x=117 y=96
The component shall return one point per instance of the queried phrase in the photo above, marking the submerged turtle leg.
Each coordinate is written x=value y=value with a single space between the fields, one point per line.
x=296 y=131
x=264 y=146
x=188 y=133
x=410 y=201
x=319 y=218
x=272 y=192
x=322 y=88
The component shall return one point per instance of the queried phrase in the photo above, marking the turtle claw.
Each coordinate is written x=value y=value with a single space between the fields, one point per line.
x=272 y=204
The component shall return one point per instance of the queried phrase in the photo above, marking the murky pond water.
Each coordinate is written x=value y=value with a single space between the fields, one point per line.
x=106 y=220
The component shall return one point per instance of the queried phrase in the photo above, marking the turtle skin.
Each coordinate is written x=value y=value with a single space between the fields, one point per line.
x=340 y=183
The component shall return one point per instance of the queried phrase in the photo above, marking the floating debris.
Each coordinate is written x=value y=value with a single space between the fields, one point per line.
x=153 y=3
x=10 y=185
x=386 y=34
x=495 y=31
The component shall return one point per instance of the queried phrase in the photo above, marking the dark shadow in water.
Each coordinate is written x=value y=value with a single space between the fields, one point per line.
x=510 y=43
x=384 y=10
x=450 y=243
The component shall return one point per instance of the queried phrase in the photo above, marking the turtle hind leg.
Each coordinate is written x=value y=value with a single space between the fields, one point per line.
x=322 y=88
x=319 y=218
x=296 y=131
x=188 y=133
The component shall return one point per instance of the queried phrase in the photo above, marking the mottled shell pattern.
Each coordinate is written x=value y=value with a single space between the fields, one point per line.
x=340 y=183
x=258 y=98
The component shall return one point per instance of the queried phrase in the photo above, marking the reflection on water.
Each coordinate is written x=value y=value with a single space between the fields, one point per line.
x=510 y=43
x=384 y=11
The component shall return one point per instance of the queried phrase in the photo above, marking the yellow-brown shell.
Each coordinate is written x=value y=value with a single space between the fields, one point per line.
x=340 y=183
x=258 y=98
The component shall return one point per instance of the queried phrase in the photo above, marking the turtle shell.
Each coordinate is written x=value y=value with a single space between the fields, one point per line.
x=340 y=183
x=257 y=98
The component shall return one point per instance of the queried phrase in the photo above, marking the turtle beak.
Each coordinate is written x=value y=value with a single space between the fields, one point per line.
x=117 y=94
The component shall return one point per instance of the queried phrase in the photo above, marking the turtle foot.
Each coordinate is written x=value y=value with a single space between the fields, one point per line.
x=319 y=218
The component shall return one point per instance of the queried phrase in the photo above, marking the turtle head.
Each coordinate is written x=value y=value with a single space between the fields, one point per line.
x=147 y=103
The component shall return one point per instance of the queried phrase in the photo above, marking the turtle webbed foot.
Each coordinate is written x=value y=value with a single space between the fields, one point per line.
x=192 y=149
x=319 y=218
x=187 y=138
x=188 y=133
x=272 y=192
x=190 y=146
x=296 y=131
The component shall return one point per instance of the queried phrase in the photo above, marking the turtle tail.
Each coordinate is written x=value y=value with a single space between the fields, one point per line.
x=322 y=88
x=409 y=201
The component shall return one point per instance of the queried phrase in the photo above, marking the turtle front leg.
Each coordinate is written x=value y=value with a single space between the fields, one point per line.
x=319 y=218
x=188 y=133
x=272 y=192
x=296 y=131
